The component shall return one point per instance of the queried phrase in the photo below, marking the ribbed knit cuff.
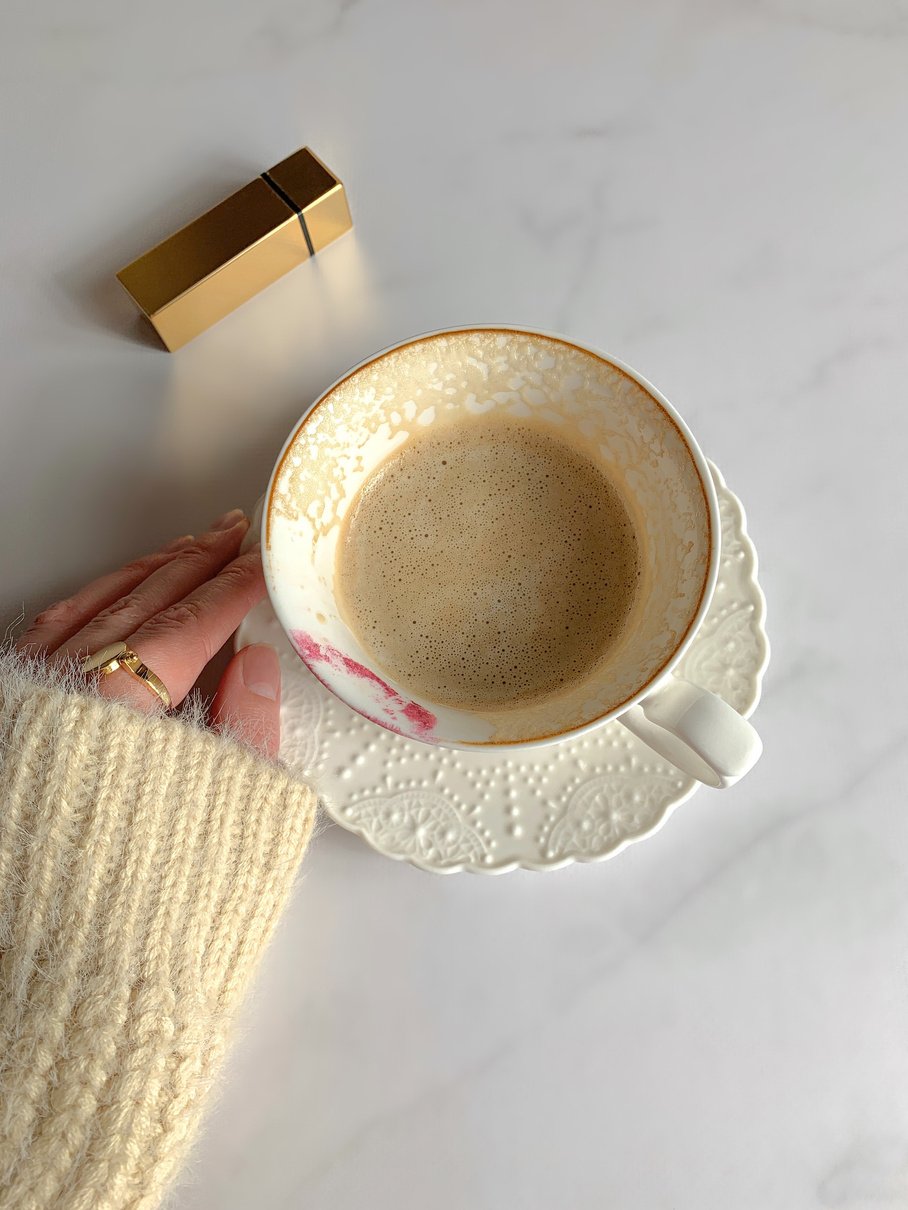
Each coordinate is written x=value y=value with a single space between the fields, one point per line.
x=143 y=865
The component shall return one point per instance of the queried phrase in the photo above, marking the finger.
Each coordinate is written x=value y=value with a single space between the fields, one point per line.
x=248 y=699
x=59 y=622
x=177 y=643
x=190 y=568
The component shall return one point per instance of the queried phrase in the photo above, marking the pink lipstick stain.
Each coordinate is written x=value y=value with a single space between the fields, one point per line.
x=421 y=721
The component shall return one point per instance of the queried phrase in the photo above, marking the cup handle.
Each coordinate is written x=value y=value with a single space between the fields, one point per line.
x=696 y=731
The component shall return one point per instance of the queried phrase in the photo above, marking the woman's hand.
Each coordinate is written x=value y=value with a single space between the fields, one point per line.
x=176 y=608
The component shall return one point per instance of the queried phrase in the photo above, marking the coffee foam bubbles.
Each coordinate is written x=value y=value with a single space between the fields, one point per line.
x=487 y=563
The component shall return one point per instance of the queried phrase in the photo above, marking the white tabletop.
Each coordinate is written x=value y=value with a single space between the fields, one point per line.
x=714 y=193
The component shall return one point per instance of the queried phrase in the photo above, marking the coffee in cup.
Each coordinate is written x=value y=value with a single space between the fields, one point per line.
x=487 y=562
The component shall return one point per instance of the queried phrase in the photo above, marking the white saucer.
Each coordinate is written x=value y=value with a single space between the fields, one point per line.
x=579 y=800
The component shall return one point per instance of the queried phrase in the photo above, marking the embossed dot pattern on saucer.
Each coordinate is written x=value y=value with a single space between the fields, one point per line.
x=580 y=800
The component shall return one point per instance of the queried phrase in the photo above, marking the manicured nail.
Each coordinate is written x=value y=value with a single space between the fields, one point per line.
x=179 y=543
x=262 y=671
x=234 y=517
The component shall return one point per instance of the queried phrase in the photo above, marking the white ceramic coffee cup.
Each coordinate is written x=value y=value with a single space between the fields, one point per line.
x=625 y=425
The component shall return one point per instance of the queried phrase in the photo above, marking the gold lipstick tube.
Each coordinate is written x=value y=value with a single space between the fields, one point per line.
x=207 y=269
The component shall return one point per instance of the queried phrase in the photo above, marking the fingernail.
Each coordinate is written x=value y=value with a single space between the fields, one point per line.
x=262 y=671
x=179 y=543
x=234 y=517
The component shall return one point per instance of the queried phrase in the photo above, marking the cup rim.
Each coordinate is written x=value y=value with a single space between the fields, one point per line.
x=706 y=483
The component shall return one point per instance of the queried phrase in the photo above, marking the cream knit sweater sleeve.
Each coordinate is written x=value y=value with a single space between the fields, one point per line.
x=143 y=865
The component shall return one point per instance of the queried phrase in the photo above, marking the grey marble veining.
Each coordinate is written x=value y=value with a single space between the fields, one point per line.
x=716 y=194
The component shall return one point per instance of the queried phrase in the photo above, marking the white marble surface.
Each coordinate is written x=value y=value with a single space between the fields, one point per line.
x=715 y=192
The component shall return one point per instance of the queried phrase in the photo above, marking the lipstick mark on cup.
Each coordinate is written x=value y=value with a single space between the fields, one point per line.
x=406 y=718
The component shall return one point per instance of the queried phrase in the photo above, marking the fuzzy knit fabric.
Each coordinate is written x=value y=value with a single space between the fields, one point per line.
x=143 y=866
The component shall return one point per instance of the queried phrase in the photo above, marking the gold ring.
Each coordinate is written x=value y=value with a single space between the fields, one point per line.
x=118 y=655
